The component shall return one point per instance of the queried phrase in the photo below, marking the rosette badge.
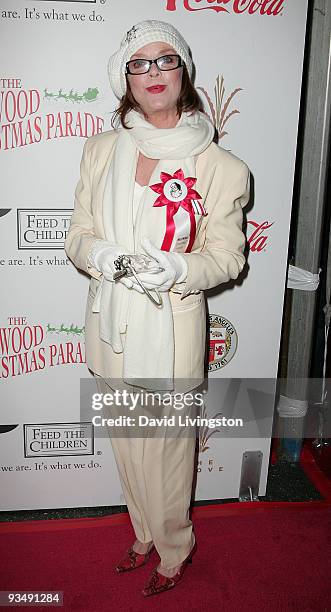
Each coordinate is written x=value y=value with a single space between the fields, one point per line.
x=176 y=191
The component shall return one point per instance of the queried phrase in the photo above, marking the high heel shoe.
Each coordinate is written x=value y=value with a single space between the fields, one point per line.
x=158 y=583
x=132 y=560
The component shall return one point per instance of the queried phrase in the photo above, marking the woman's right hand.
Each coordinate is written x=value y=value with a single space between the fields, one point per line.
x=102 y=257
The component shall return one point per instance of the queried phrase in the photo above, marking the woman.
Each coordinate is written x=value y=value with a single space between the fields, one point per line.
x=160 y=186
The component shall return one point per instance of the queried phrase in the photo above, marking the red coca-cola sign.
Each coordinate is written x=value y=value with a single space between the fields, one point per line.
x=257 y=240
x=262 y=7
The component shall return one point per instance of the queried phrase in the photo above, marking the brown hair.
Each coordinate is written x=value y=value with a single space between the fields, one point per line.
x=188 y=101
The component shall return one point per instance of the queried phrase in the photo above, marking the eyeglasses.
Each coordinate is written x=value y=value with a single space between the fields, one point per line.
x=141 y=66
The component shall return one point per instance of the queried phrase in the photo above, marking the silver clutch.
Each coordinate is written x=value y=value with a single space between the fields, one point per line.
x=133 y=265
x=126 y=265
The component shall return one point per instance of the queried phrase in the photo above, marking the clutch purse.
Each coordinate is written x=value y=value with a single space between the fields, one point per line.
x=132 y=265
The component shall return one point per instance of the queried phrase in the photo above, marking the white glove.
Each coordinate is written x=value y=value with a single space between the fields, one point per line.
x=102 y=256
x=175 y=269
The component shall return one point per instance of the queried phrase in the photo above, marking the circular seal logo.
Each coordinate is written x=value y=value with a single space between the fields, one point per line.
x=175 y=190
x=223 y=342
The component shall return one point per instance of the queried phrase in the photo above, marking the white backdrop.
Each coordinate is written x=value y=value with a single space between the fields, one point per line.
x=54 y=93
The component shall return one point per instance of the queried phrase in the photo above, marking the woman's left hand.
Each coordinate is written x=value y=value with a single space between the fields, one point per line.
x=175 y=269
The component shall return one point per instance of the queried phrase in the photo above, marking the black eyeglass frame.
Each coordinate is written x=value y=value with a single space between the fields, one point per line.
x=154 y=61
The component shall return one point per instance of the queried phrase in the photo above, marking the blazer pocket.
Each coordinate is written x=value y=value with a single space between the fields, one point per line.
x=189 y=302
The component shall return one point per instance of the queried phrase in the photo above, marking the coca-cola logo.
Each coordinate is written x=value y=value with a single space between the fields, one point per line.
x=262 y=7
x=259 y=236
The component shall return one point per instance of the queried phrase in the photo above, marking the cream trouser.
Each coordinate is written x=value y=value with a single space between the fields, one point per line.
x=156 y=475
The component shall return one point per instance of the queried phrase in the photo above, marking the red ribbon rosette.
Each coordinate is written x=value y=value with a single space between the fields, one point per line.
x=174 y=191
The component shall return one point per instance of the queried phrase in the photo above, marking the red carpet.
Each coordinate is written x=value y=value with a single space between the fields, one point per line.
x=254 y=556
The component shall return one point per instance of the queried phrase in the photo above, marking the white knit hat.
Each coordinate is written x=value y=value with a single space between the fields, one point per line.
x=140 y=35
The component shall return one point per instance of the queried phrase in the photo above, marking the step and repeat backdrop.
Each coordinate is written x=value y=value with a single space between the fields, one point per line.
x=54 y=94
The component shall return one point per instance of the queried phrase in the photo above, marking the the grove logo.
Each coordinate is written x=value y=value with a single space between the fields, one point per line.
x=206 y=432
x=257 y=239
x=220 y=112
x=262 y=7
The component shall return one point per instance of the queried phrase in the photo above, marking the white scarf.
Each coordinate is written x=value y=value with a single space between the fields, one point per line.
x=129 y=321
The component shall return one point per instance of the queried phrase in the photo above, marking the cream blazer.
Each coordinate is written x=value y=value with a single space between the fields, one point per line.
x=216 y=257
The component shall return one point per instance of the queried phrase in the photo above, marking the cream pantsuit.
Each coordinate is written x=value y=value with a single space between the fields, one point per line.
x=156 y=473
